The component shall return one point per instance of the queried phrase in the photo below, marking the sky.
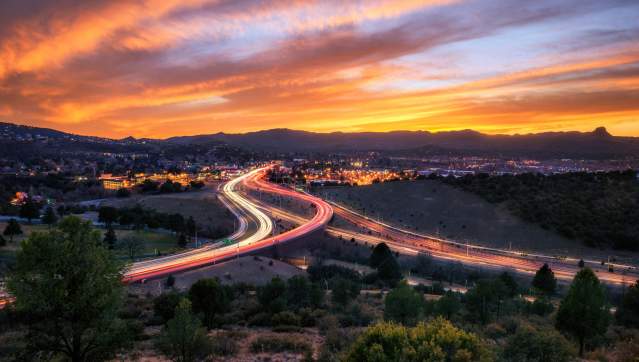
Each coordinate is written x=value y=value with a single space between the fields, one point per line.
x=160 y=68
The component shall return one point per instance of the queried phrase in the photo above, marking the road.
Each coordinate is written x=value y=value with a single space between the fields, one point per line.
x=370 y=231
x=258 y=240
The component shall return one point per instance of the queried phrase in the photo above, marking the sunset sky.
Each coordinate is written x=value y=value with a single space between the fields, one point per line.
x=159 y=68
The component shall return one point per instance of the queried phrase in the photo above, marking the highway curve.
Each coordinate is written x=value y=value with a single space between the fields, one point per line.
x=410 y=243
x=259 y=240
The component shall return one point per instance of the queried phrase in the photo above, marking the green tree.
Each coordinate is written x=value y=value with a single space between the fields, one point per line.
x=628 y=312
x=510 y=283
x=133 y=245
x=384 y=261
x=3 y=241
x=182 y=242
x=164 y=305
x=298 y=292
x=436 y=341
x=544 y=280
x=403 y=305
x=29 y=210
x=583 y=312
x=343 y=291
x=272 y=296
x=12 y=229
x=49 y=217
x=108 y=215
x=69 y=288
x=530 y=345
x=448 y=305
x=110 y=239
x=485 y=299
x=210 y=299
x=183 y=339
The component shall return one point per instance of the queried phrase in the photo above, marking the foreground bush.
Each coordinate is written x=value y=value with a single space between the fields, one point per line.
x=438 y=340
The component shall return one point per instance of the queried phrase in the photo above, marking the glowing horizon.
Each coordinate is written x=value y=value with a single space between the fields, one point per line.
x=160 y=68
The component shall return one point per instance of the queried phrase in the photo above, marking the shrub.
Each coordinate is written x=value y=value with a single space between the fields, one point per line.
x=275 y=344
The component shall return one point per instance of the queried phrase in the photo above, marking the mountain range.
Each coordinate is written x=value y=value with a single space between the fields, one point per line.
x=596 y=144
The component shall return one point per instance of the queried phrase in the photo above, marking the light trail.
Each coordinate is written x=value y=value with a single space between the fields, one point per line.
x=257 y=241
x=410 y=243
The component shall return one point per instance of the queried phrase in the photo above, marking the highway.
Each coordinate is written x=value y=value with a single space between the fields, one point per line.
x=259 y=240
x=366 y=230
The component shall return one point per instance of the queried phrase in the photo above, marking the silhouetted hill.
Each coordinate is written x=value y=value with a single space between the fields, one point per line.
x=598 y=143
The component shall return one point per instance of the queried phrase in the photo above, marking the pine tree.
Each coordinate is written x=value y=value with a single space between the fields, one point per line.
x=110 y=238
x=584 y=311
x=12 y=229
x=545 y=280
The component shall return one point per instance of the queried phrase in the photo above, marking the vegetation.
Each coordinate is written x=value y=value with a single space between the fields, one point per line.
x=529 y=344
x=49 y=217
x=68 y=287
x=438 y=340
x=184 y=340
x=403 y=305
x=210 y=299
x=544 y=280
x=12 y=229
x=597 y=208
x=628 y=311
x=584 y=313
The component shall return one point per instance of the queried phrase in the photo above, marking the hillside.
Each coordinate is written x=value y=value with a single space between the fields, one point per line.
x=599 y=143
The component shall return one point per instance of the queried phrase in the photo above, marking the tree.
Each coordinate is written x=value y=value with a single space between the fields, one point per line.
x=12 y=229
x=29 y=210
x=343 y=291
x=384 y=261
x=183 y=339
x=530 y=345
x=272 y=296
x=298 y=292
x=545 y=280
x=436 y=341
x=132 y=244
x=108 y=215
x=510 y=283
x=485 y=299
x=403 y=305
x=210 y=298
x=110 y=238
x=49 y=216
x=69 y=288
x=190 y=227
x=584 y=311
x=628 y=312
x=3 y=241
x=448 y=305
x=164 y=305
x=182 y=242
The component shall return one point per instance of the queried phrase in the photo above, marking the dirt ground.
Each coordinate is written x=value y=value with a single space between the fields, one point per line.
x=431 y=207
x=255 y=270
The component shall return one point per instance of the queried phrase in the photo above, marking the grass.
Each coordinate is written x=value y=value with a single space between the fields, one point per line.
x=152 y=241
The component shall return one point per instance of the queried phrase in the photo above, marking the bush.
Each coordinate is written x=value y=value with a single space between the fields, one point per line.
x=285 y=319
x=226 y=343
x=164 y=305
x=276 y=344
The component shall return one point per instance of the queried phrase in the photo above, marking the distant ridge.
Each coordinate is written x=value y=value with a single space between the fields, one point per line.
x=596 y=144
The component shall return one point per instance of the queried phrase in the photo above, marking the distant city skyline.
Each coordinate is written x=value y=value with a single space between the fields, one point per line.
x=171 y=68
